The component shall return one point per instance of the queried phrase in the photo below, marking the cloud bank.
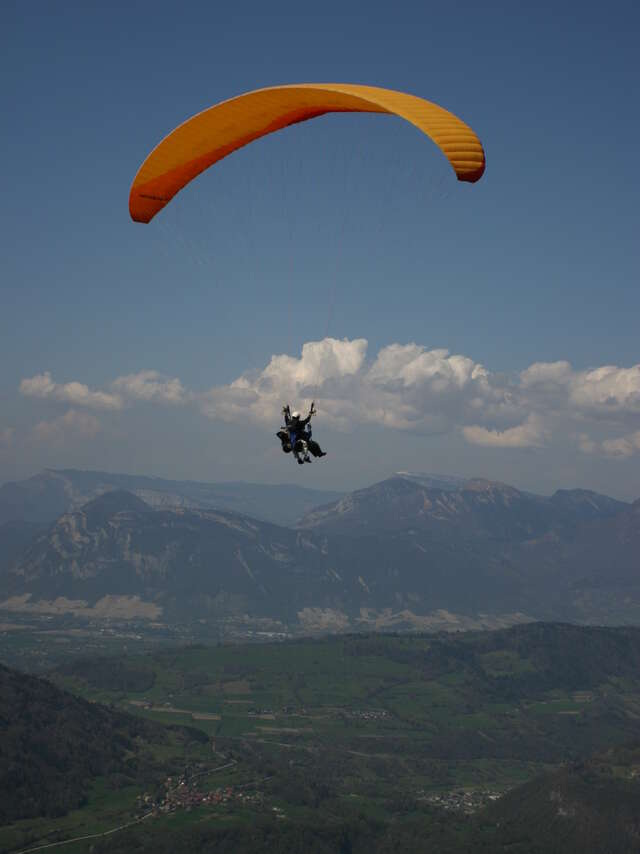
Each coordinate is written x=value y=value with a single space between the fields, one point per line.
x=404 y=387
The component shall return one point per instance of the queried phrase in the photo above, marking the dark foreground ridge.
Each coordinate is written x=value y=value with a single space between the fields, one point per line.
x=53 y=745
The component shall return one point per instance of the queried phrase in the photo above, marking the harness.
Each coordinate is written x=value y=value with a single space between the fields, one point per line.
x=296 y=433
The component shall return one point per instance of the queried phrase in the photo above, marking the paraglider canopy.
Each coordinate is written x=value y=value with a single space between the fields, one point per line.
x=207 y=137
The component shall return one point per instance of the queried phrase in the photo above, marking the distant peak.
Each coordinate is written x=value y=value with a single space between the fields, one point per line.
x=586 y=498
x=481 y=484
x=447 y=482
x=116 y=501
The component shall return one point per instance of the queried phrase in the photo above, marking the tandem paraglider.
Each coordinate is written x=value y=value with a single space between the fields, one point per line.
x=211 y=135
x=296 y=436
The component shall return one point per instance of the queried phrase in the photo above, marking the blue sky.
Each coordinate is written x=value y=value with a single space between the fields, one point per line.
x=347 y=227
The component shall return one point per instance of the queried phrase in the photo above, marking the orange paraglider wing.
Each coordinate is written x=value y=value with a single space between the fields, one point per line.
x=212 y=134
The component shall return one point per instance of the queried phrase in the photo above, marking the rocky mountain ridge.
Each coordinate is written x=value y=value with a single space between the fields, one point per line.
x=396 y=555
x=476 y=507
x=41 y=499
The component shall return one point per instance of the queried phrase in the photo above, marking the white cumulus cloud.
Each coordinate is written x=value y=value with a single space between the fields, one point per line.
x=607 y=390
x=75 y=393
x=406 y=387
x=530 y=434
x=151 y=386
x=546 y=375
x=329 y=364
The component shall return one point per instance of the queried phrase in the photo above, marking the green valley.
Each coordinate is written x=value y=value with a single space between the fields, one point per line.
x=354 y=740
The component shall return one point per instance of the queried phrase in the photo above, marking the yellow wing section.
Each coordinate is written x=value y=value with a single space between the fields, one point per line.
x=212 y=134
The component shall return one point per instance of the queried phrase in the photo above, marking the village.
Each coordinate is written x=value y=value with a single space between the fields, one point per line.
x=183 y=793
x=467 y=802
x=368 y=714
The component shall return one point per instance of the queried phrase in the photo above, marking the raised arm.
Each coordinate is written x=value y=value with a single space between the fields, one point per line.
x=312 y=411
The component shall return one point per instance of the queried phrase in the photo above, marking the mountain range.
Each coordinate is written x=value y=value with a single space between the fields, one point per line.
x=414 y=551
x=42 y=498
